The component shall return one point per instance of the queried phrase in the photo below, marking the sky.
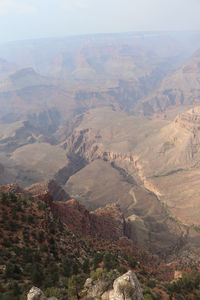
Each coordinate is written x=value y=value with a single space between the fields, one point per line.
x=28 y=19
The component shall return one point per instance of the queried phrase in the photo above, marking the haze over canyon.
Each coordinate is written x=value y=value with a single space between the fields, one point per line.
x=111 y=121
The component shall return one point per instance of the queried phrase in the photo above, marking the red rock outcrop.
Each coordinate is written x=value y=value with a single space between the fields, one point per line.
x=107 y=223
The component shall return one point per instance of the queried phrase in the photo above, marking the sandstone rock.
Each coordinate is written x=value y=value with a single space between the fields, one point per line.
x=125 y=287
x=96 y=288
x=36 y=294
x=88 y=283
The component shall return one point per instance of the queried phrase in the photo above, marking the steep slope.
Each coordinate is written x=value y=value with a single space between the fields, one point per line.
x=107 y=223
x=50 y=241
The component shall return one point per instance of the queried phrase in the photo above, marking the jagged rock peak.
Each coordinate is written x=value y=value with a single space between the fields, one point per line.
x=189 y=120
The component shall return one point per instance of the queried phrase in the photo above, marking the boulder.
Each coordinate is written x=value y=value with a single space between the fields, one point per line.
x=36 y=294
x=95 y=288
x=126 y=287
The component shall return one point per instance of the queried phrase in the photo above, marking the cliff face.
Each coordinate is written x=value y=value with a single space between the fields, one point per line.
x=189 y=120
x=88 y=144
x=177 y=89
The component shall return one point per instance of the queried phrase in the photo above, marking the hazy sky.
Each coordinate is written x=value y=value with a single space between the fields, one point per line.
x=22 y=19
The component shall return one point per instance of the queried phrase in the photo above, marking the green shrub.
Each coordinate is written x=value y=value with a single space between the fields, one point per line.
x=55 y=292
x=86 y=266
x=75 y=285
x=150 y=283
x=66 y=267
x=132 y=262
x=148 y=297
x=37 y=275
x=110 y=261
x=99 y=273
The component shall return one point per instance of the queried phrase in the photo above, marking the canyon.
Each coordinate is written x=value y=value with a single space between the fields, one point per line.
x=108 y=126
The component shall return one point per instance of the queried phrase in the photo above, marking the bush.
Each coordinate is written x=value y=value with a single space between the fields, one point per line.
x=110 y=261
x=148 y=297
x=55 y=292
x=52 y=274
x=5 y=297
x=66 y=268
x=150 y=283
x=97 y=259
x=188 y=283
x=99 y=273
x=86 y=266
x=37 y=275
x=132 y=262
x=12 y=271
x=75 y=285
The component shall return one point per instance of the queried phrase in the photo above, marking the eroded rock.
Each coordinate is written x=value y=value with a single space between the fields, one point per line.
x=125 y=287
x=36 y=294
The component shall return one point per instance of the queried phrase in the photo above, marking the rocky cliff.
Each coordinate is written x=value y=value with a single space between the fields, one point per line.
x=106 y=223
x=181 y=87
x=189 y=120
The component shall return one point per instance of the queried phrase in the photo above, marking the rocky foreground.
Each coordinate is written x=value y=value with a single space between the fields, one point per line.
x=125 y=287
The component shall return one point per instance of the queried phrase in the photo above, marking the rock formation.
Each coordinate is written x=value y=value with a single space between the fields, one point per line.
x=36 y=294
x=107 y=222
x=189 y=120
x=125 y=287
